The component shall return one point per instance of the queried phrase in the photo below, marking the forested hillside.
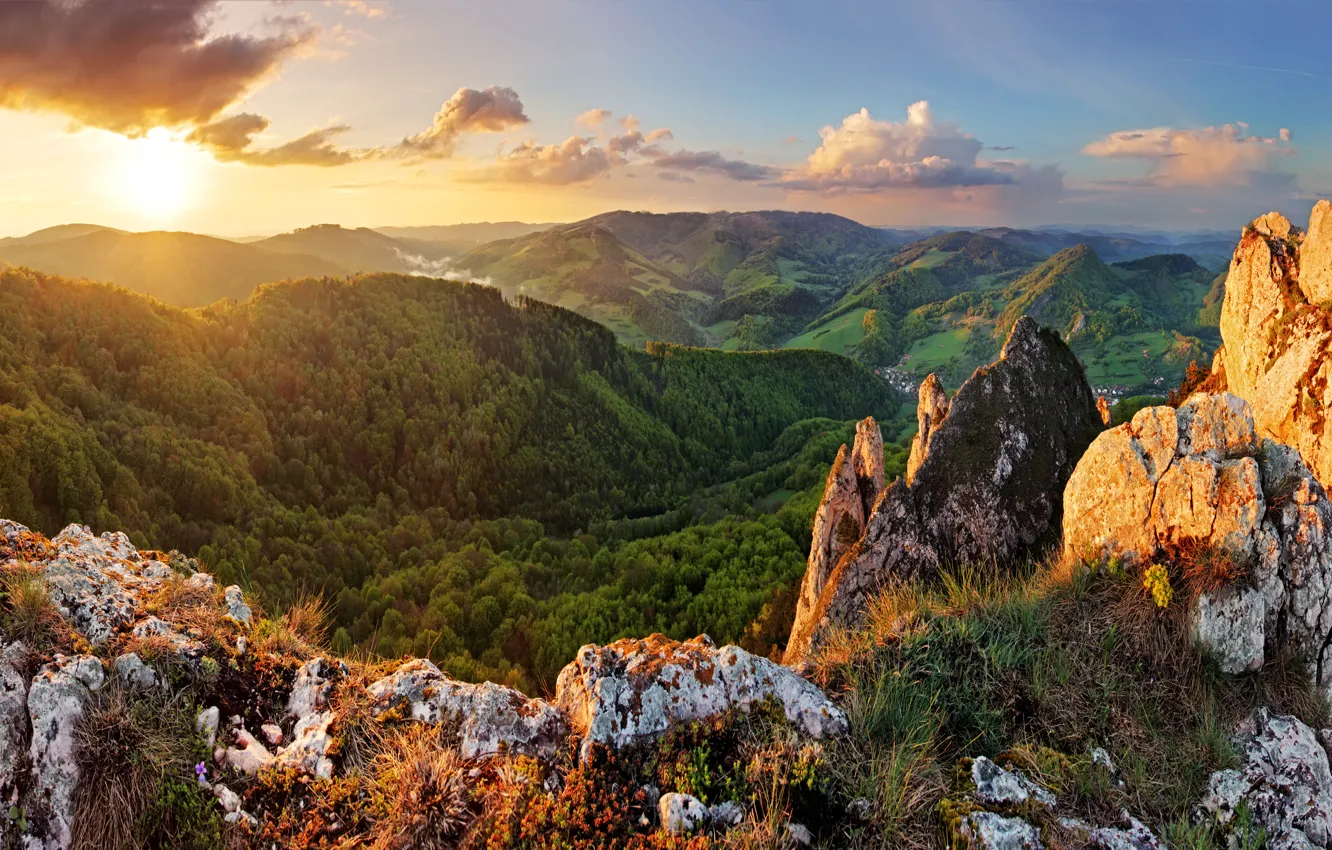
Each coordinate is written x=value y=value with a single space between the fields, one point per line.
x=460 y=475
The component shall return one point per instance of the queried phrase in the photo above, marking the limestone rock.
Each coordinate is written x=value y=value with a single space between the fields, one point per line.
x=307 y=705
x=206 y=725
x=991 y=482
x=1284 y=781
x=838 y=524
x=131 y=669
x=13 y=721
x=1199 y=477
x=726 y=815
x=634 y=689
x=931 y=408
x=998 y=787
x=57 y=698
x=798 y=835
x=867 y=461
x=234 y=598
x=984 y=484
x=1276 y=326
x=681 y=814
x=491 y=717
x=990 y=831
x=246 y=754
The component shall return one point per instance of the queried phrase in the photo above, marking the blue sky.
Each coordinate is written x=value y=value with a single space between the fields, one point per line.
x=1035 y=110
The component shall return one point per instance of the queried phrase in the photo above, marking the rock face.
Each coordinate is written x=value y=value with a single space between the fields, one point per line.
x=635 y=689
x=984 y=483
x=931 y=409
x=57 y=697
x=1198 y=479
x=1284 y=782
x=1276 y=329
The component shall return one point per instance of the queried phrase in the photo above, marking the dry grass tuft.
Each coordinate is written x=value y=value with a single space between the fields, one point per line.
x=301 y=631
x=424 y=790
x=27 y=612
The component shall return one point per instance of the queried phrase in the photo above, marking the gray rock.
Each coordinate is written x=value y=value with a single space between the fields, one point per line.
x=1284 y=782
x=635 y=689
x=234 y=599
x=995 y=786
x=726 y=815
x=206 y=725
x=13 y=721
x=681 y=814
x=133 y=672
x=491 y=717
x=57 y=698
x=989 y=831
x=798 y=835
x=246 y=755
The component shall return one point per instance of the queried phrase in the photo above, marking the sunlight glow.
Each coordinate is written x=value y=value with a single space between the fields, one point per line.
x=155 y=176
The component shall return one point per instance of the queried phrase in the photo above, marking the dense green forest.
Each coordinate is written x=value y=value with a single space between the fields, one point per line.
x=486 y=482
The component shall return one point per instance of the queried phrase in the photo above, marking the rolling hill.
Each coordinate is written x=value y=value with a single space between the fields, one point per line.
x=687 y=277
x=459 y=238
x=184 y=269
x=360 y=250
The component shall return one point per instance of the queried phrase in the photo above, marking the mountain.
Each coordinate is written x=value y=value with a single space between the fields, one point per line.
x=459 y=238
x=183 y=269
x=359 y=250
x=493 y=483
x=686 y=277
x=1208 y=249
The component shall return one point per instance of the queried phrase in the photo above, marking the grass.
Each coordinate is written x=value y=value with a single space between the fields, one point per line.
x=26 y=610
x=1038 y=670
x=934 y=351
x=837 y=335
x=931 y=258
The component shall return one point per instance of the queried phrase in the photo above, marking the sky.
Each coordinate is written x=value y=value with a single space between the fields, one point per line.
x=256 y=117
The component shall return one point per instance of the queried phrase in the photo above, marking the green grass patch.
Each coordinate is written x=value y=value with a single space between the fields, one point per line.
x=837 y=335
x=934 y=351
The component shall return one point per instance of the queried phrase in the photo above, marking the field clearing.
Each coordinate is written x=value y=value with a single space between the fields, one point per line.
x=934 y=351
x=930 y=259
x=837 y=335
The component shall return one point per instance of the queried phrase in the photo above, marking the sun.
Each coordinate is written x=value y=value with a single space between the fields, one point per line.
x=155 y=176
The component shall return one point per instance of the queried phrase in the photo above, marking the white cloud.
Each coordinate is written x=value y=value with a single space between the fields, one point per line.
x=593 y=118
x=1197 y=157
x=491 y=110
x=863 y=154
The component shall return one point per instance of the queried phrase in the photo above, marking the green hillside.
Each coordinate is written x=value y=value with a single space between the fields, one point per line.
x=359 y=250
x=680 y=276
x=486 y=482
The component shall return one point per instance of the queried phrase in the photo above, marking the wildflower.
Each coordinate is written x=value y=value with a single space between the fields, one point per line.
x=201 y=773
x=1157 y=583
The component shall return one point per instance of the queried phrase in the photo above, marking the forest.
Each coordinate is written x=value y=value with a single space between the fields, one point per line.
x=489 y=483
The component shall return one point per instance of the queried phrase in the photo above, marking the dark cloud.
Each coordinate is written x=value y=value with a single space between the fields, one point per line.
x=492 y=110
x=711 y=162
x=576 y=160
x=231 y=139
x=130 y=65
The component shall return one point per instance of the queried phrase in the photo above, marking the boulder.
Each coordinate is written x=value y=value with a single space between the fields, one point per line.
x=1276 y=329
x=990 y=831
x=681 y=814
x=984 y=484
x=491 y=718
x=307 y=707
x=1284 y=781
x=57 y=698
x=246 y=754
x=635 y=689
x=133 y=672
x=1174 y=483
x=995 y=786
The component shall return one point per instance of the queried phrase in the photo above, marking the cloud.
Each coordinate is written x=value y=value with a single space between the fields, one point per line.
x=866 y=155
x=593 y=118
x=675 y=177
x=231 y=139
x=711 y=162
x=576 y=160
x=363 y=8
x=491 y=110
x=1000 y=148
x=659 y=135
x=129 y=65
x=1198 y=157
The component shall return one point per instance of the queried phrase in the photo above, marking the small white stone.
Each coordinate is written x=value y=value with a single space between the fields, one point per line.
x=681 y=814
x=206 y=725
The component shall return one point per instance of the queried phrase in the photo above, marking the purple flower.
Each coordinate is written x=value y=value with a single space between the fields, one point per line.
x=200 y=771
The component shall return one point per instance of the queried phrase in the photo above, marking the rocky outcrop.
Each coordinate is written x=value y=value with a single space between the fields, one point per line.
x=1276 y=330
x=490 y=718
x=1284 y=783
x=1198 y=482
x=1001 y=808
x=984 y=484
x=931 y=409
x=633 y=689
x=625 y=693
x=838 y=524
